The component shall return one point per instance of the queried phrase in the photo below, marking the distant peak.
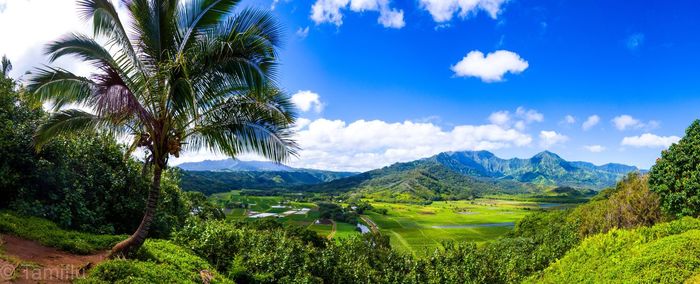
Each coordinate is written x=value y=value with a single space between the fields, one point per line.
x=546 y=153
x=480 y=153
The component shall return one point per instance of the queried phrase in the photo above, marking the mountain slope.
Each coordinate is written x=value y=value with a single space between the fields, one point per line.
x=234 y=165
x=472 y=173
x=220 y=176
x=545 y=168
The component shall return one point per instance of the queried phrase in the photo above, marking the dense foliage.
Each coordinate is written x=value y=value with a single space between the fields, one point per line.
x=335 y=212
x=630 y=204
x=158 y=261
x=665 y=253
x=80 y=182
x=676 y=175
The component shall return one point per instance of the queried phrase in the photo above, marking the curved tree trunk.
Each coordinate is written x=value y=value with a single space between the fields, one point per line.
x=129 y=246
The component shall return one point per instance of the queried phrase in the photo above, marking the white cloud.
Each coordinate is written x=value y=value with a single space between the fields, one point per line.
x=329 y=11
x=25 y=36
x=489 y=68
x=568 y=119
x=307 y=101
x=500 y=118
x=591 y=121
x=594 y=148
x=391 y=18
x=529 y=115
x=303 y=32
x=624 y=122
x=551 y=138
x=444 y=10
x=363 y=145
x=649 y=140
x=519 y=120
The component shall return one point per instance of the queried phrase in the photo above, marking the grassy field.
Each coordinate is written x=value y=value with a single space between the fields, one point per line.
x=420 y=228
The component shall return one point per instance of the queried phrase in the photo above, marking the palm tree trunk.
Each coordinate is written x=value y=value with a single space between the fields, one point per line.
x=129 y=246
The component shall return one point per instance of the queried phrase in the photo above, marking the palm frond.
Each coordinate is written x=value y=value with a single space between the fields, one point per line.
x=65 y=122
x=197 y=15
x=60 y=87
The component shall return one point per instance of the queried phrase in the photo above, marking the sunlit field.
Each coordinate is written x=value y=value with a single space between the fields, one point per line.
x=420 y=228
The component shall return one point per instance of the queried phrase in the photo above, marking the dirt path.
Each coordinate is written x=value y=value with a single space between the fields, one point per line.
x=24 y=261
x=332 y=234
x=372 y=226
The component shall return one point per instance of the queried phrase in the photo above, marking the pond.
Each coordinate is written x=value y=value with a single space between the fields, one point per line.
x=363 y=229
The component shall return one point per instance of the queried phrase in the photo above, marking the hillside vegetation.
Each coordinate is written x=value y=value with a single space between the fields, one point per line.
x=209 y=182
x=665 y=253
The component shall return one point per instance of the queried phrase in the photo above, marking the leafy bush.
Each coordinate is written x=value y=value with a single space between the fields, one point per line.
x=79 y=182
x=630 y=204
x=248 y=254
x=665 y=253
x=158 y=261
x=676 y=175
x=48 y=234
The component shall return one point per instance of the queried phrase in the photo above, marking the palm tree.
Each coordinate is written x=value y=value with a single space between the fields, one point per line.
x=5 y=66
x=186 y=76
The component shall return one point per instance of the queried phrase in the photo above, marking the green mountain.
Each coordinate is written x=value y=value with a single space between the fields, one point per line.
x=545 y=168
x=225 y=175
x=457 y=175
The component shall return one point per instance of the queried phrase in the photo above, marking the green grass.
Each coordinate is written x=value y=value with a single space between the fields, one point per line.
x=665 y=253
x=49 y=234
x=411 y=227
x=345 y=230
x=158 y=261
x=321 y=229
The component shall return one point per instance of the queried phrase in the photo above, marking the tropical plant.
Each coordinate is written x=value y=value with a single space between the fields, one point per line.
x=676 y=175
x=5 y=66
x=186 y=75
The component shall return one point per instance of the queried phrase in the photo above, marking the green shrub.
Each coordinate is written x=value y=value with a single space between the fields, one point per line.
x=49 y=234
x=629 y=205
x=676 y=175
x=665 y=253
x=158 y=261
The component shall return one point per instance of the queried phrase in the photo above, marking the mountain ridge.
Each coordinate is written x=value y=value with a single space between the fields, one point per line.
x=471 y=173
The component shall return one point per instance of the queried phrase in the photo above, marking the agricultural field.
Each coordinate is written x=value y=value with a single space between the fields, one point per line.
x=263 y=204
x=418 y=229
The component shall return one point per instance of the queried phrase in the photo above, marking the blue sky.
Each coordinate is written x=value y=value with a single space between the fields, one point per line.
x=381 y=81
x=604 y=58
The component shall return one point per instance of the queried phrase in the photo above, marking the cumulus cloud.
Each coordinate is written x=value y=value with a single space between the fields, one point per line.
x=489 y=68
x=594 y=148
x=391 y=18
x=330 y=11
x=649 y=140
x=307 y=101
x=363 y=145
x=519 y=120
x=591 y=121
x=444 y=10
x=624 y=122
x=551 y=138
x=500 y=117
x=25 y=37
